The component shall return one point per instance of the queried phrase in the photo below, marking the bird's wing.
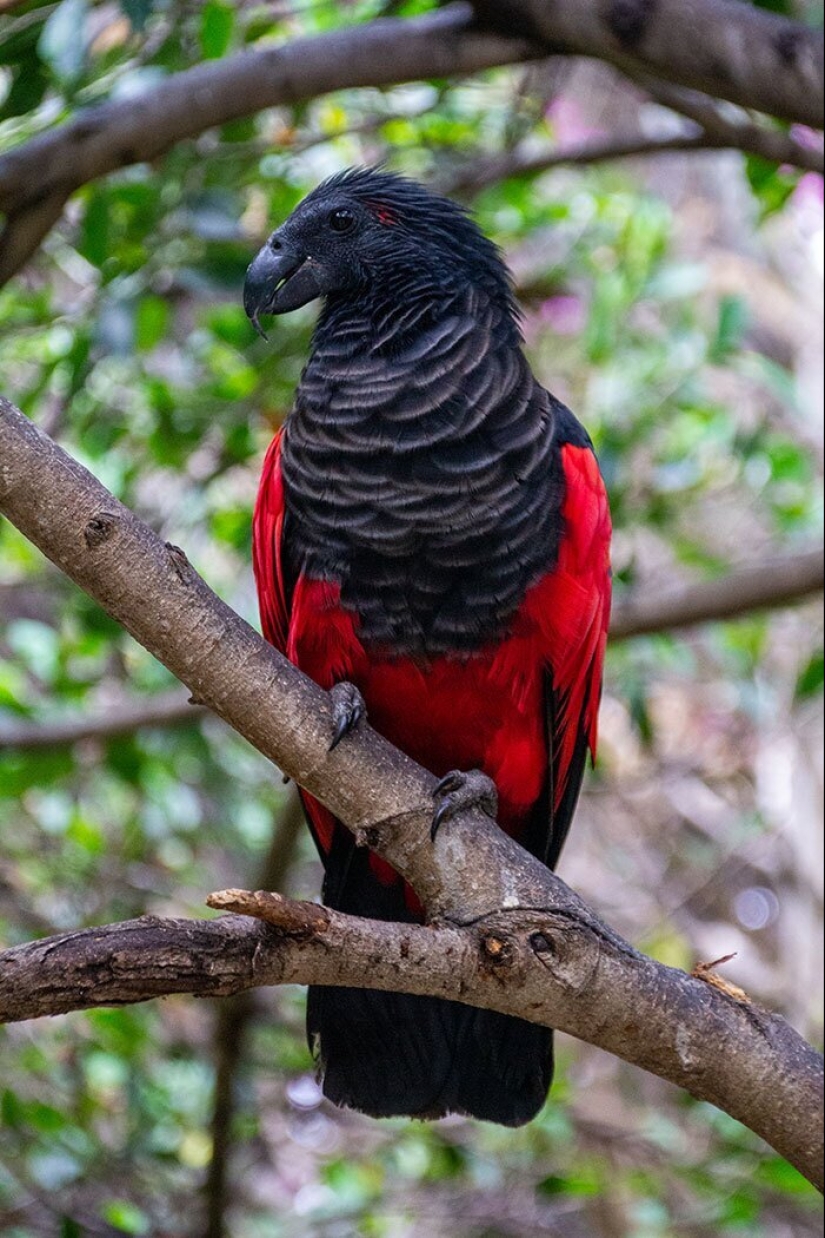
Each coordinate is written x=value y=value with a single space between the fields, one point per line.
x=571 y=609
x=276 y=593
x=267 y=550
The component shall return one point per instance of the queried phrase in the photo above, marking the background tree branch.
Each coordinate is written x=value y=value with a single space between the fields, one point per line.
x=563 y=965
x=723 y=48
x=37 y=178
x=776 y=582
x=773 y=583
x=476 y=176
x=165 y=709
x=733 y=127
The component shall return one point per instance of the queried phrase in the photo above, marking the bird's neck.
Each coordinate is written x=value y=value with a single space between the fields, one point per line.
x=385 y=317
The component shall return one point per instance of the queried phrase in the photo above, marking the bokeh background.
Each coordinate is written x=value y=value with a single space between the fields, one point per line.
x=675 y=302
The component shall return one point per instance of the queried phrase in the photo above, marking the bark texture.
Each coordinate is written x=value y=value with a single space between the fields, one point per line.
x=548 y=966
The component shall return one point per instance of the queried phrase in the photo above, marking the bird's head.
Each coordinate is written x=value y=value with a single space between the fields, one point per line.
x=372 y=236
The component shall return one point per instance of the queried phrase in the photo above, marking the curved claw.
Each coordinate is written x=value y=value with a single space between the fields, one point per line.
x=458 y=790
x=348 y=709
x=442 y=811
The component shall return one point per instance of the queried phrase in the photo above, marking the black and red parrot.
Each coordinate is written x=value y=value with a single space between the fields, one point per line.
x=432 y=528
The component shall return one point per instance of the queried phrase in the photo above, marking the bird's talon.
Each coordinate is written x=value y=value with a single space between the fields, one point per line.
x=458 y=790
x=348 y=709
x=450 y=782
x=440 y=813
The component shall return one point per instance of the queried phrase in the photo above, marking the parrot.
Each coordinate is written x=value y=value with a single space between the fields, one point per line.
x=431 y=543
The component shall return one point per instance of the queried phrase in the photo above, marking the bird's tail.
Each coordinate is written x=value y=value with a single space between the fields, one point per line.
x=391 y=1054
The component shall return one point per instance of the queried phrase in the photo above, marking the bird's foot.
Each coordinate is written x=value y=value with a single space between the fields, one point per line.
x=348 y=709
x=458 y=790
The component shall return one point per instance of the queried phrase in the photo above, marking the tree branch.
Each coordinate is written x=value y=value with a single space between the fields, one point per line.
x=715 y=132
x=472 y=177
x=549 y=966
x=773 y=583
x=173 y=708
x=732 y=127
x=723 y=48
x=529 y=945
x=37 y=178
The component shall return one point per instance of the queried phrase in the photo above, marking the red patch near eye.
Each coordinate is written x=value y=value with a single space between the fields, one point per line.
x=383 y=214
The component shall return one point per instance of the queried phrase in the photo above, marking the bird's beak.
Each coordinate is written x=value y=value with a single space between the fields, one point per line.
x=280 y=279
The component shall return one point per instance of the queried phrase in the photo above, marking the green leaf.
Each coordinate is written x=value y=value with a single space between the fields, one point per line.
x=126 y=1216
x=217 y=24
x=771 y=185
x=782 y=1176
x=151 y=322
x=27 y=89
x=811 y=679
x=94 y=241
x=733 y=322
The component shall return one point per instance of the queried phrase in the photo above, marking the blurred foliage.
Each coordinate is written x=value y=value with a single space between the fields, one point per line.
x=126 y=340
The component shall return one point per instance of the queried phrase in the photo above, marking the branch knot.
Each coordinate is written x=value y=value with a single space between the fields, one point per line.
x=99 y=529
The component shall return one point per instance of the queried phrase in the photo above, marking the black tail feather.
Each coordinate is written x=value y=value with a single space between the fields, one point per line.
x=393 y=1054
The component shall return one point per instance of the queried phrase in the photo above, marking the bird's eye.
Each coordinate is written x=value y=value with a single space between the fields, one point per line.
x=341 y=220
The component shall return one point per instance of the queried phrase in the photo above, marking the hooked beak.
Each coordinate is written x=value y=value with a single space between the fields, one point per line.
x=279 y=279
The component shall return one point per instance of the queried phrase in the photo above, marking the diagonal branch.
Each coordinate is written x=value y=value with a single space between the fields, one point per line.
x=713 y=132
x=528 y=944
x=733 y=127
x=471 y=177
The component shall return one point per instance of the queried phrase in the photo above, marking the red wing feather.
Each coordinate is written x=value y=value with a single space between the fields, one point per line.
x=565 y=617
x=575 y=605
x=275 y=602
x=267 y=549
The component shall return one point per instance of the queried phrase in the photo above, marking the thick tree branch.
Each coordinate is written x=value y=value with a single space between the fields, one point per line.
x=546 y=965
x=37 y=178
x=723 y=48
x=562 y=965
x=772 y=584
